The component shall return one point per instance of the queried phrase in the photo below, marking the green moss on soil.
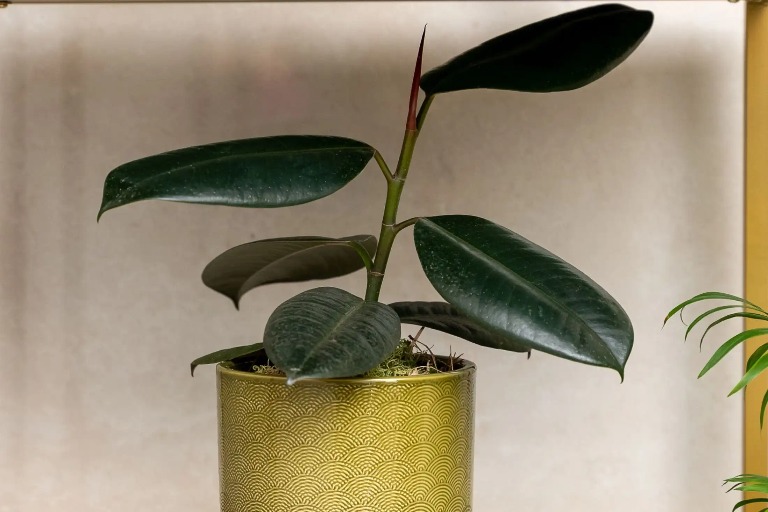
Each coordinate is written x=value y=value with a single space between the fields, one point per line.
x=406 y=360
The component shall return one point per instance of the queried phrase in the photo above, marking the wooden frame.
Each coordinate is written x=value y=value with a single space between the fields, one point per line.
x=755 y=222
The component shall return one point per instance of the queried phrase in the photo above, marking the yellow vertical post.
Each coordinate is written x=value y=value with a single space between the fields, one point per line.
x=756 y=223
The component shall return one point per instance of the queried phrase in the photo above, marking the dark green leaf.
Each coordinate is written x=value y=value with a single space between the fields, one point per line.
x=327 y=332
x=228 y=354
x=729 y=345
x=266 y=172
x=557 y=54
x=447 y=318
x=515 y=288
x=284 y=260
x=762 y=409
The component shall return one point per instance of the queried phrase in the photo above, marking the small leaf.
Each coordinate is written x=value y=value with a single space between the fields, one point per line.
x=762 y=349
x=227 y=354
x=285 y=260
x=706 y=314
x=747 y=477
x=266 y=172
x=710 y=296
x=744 y=503
x=752 y=316
x=448 y=319
x=762 y=409
x=729 y=345
x=327 y=333
x=557 y=54
x=517 y=289
x=757 y=368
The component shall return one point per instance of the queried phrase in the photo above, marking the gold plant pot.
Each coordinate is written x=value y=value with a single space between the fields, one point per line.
x=346 y=445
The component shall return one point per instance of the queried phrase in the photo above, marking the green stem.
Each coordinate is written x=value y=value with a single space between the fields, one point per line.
x=402 y=225
x=423 y=111
x=389 y=226
x=382 y=165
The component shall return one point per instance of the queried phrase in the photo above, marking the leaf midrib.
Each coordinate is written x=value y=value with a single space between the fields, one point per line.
x=526 y=284
x=312 y=246
x=354 y=309
x=174 y=170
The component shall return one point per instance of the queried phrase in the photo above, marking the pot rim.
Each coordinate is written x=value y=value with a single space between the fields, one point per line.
x=468 y=369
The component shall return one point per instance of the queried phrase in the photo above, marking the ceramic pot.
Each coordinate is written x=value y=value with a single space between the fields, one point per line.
x=346 y=445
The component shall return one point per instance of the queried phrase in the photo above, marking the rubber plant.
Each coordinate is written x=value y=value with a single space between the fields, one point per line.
x=500 y=289
x=733 y=307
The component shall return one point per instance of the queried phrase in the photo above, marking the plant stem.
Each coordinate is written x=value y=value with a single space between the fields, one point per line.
x=389 y=228
x=423 y=111
x=382 y=165
x=402 y=225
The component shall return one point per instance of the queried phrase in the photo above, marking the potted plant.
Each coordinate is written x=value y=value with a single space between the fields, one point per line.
x=756 y=365
x=304 y=424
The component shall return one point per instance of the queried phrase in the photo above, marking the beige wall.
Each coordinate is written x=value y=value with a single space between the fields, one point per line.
x=635 y=179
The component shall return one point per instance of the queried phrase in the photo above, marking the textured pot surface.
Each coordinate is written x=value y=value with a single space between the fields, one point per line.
x=346 y=445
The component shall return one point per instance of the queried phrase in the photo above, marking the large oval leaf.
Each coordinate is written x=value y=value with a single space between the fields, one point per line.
x=327 y=332
x=557 y=54
x=512 y=286
x=266 y=172
x=448 y=319
x=284 y=260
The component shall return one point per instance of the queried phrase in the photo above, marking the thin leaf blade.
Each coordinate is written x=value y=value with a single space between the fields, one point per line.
x=514 y=287
x=710 y=296
x=446 y=318
x=227 y=354
x=704 y=315
x=757 y=368
x=744 y=503
x=266 y=172
x=561 y=53
x=284 y=260
x=329 y=333
x=729 y=345
x=742 y=314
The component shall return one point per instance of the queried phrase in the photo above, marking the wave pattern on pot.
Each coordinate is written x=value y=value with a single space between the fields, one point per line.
x=381 y=445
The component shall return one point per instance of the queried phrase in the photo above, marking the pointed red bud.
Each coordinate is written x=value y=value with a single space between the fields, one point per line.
x=414 y=103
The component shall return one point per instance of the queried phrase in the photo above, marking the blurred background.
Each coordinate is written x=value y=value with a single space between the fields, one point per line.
x=636 y=180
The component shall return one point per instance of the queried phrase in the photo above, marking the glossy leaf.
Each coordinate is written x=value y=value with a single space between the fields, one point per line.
x=327 y=332
x=284 y=260
x=515 y=288
x=444 y=317
x=557 y=54
x=266 y=172
x=227 y=354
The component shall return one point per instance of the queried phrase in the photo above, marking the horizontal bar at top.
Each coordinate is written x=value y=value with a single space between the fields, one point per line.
x=104 y=2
